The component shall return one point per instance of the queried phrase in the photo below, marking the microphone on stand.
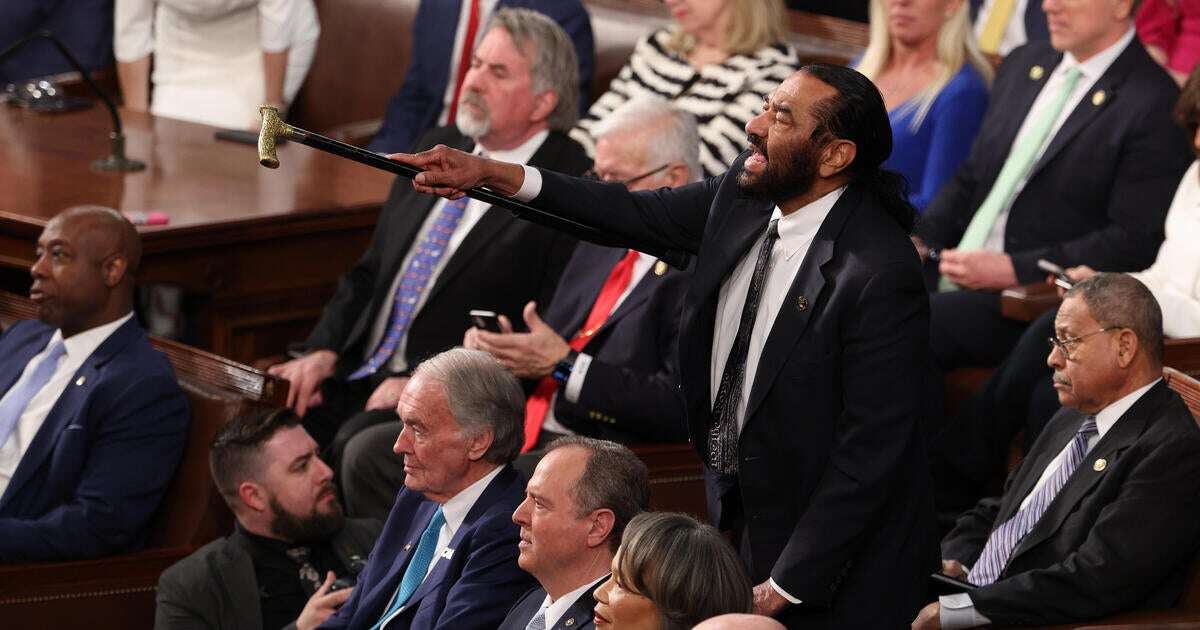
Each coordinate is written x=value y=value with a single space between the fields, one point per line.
x=115 y=161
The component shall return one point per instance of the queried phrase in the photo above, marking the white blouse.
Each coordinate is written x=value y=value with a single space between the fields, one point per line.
x=1174 y=278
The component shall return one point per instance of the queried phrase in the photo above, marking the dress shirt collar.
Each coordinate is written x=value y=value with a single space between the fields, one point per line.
x=520 y=154
x=456 y=509
x=555 y=610
x=80 y=346
x=796 y=230
x=1098 y=64
x=1108 y=416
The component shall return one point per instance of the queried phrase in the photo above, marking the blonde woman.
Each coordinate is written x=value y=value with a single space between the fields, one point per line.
x=717 y=62
x=924 y=60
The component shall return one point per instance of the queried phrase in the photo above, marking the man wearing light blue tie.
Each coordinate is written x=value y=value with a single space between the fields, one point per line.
x=447 y=557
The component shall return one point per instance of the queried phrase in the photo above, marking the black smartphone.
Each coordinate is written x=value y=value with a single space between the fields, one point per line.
x=485 y=320
x=946 y=585
x=1060 y=275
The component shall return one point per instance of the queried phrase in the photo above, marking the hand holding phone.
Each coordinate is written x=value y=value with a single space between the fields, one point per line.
x=485 y=320
x=1061 y=279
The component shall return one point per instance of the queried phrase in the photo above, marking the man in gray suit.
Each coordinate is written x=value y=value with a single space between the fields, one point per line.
x=293 y=556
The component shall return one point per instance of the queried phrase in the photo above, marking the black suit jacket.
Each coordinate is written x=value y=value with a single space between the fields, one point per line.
x=1099 y=194
x=1114 y=539
x=502 y=264
x=215 y=589
x=580 y=616
x=631 y=392
x=832 y=474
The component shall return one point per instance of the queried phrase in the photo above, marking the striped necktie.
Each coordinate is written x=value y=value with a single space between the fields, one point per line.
x=1004 y=539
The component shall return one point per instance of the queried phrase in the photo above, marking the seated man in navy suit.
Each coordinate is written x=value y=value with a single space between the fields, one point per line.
x=92 y=421
x=578 y=502
x=1102 y=516
x=447 y=556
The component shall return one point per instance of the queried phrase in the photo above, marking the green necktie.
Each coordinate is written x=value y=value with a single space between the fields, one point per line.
x=1016 y=168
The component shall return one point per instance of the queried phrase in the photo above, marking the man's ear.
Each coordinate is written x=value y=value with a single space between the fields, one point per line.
x=601 y=527
x=478 y=445
x=114 y=268
x=677 y=175
x=1127 y=347
x=543 y=106
x=253 y=496
x=837 y=157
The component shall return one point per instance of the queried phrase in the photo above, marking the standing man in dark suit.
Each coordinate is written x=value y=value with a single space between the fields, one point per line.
x=1076 y=163
x=432 y=261
x=805 y=405
x=444 y=33
x=448 y=554
x=1002 y=25
x=577 y=504
x=92 y=421
x=290 y=543
x=1102 y=516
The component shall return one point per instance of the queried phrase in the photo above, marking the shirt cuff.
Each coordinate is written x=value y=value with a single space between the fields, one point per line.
x=578 y=374
x=958 y=612
x=783 y=593
x=531 y=186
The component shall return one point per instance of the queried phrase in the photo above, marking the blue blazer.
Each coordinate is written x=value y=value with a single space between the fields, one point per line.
x=94 y=473
x=580 y=616
x=416 y=107
x=471 y=589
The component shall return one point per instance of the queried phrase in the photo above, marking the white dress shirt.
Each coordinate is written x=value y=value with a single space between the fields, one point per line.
x=78 y=348
x=1014 y=31
x=957 y=610
x=554 y=610
x=574 y=385
x=474 y=211
x=1090 y=72
x=486 y=7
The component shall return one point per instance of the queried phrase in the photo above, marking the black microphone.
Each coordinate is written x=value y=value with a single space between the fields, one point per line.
x=115 y=161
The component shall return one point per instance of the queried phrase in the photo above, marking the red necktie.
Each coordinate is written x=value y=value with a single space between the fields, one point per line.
x=539 y=403
x=464 y=60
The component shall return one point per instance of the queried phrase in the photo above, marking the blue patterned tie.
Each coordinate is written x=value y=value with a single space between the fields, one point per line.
x=418 y=566
x=413 y=283
x=17 y=399
x=1005 y=538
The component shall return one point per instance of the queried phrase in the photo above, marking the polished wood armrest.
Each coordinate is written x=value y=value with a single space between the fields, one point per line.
x=1027 y=302
x=1183 y=354
x=676 y=478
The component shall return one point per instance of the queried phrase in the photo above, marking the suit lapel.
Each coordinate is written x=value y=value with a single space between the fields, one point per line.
x=582 y=613
x=1123 y=433
x=381 y=593
x=1059 y=432
x=640 y=293
x=69 y=406
x=791 y=321
x=13 y=365
x=1029 y=85
x=235 y=573
x=600 y=262
x=1089 y=107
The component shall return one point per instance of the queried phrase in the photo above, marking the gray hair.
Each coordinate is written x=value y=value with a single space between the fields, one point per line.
x=483 y=394
x=1117 y=299
x=670 y=134
x=614 y=479
x=555 y=66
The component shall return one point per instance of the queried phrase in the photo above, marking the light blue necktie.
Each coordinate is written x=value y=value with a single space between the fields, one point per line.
x=1004 y=539
x=17 y=399
x=417 y=567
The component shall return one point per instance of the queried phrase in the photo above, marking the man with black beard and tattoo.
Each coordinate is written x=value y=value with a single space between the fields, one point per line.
x=801 y=342
x=293 y=556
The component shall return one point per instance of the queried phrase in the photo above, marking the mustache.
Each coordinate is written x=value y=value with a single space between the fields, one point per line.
x=1061 y=380
x=473 y=99
x=758 y=143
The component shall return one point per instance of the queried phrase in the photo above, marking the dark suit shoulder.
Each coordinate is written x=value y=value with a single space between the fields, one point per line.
x=194 y=572
x=874 y=238
x=563 y=154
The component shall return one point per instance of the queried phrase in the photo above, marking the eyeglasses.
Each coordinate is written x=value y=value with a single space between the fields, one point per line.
x=592 y=174
x=1071 y=343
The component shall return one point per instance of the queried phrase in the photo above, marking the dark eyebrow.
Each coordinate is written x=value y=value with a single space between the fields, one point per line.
x=301 y=459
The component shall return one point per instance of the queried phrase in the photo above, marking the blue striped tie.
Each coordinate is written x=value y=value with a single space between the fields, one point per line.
x=413 y=283
x=1004 y=539
x=13 y=404
x=418 y=566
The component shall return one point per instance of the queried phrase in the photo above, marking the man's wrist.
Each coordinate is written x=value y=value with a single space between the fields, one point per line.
x=561 y=371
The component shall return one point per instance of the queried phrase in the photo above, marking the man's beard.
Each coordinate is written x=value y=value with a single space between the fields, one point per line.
x=466 y=121
x=786 y=176
x=315 y=527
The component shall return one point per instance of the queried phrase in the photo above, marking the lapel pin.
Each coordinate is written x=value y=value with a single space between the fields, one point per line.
x=569 y=622
x=448 y=553
x=1036 y=73
x=80 y=381
x=660 y=268
x=1100 y=464
x=408 y=547
x=802 y=303
x=1098 y=98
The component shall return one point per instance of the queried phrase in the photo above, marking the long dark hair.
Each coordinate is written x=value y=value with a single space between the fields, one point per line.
x=858 y=114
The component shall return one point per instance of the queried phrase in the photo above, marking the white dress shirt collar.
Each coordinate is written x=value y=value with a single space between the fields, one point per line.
x=556 y=609
x=520 y=154
x=1107 y=417
x=1099 y=63
x=455 y=510
x=81 y=345
x=796 y=230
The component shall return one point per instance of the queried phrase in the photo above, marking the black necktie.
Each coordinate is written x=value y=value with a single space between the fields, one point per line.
x=723 y=434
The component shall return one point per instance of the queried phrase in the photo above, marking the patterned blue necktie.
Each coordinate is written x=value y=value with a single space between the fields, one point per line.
x=1004 y=539
x=418 y=566
x=413 y=283
x=13 y=404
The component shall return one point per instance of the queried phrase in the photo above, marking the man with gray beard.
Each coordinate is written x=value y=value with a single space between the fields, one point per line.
x=432 y=261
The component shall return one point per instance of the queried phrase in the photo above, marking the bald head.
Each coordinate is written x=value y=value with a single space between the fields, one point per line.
x=83 y=275
x=739 y=621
